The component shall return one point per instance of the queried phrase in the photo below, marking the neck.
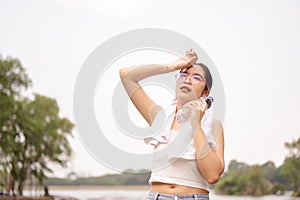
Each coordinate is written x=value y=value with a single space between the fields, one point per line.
x=179 y=105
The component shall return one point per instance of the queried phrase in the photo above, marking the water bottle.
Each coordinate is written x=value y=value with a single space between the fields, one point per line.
x=183 y=115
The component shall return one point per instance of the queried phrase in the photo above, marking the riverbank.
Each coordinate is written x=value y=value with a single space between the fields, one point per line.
x=38 y=198
x=126 y=193
x=26 y=198
x=66 y=192
x=97 y=187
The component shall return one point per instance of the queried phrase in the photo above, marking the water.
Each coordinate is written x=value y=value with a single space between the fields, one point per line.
x=100 y=194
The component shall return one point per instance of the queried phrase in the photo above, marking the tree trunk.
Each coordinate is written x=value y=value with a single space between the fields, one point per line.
x=11 y=185
x=20 y=188
x=46 y=191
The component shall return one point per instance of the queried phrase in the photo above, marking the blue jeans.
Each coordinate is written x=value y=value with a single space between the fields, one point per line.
x=158 y=196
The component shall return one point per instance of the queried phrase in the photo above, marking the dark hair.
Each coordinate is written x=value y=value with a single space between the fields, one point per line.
x=207 y=74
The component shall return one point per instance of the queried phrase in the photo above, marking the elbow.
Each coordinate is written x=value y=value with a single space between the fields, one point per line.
x=122 y=73
x=212 y=179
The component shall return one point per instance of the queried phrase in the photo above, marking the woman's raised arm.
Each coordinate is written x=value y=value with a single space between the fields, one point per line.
x=131 y=76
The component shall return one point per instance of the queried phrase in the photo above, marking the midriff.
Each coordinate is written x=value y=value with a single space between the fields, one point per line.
x=166 y=188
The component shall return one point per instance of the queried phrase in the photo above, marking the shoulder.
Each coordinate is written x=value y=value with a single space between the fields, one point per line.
x=217 y=123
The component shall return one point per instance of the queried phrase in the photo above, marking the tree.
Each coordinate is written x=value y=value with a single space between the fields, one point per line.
x=13 y=79
x=272 y=174
x=257 y=184
x=32 y=133
x=242 y=179
x=42 y=138
x=291 y=166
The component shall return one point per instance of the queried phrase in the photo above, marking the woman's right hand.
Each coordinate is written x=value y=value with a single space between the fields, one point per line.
x=181 y=63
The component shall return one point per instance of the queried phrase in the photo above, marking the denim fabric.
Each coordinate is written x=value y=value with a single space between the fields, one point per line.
x=158 y=196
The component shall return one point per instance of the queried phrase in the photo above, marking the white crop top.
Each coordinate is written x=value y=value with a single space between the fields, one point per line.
x=180 y=171
x=174 y=159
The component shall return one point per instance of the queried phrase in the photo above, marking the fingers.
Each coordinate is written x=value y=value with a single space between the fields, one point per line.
x=198 y=108
x=184 y=62
x=190 y=53
x=199 y=104
x=205 y=105
x=191 y=56
x=192 y=60
x=202 y=105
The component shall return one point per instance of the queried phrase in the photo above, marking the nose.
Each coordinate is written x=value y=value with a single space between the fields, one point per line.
x=188 y=80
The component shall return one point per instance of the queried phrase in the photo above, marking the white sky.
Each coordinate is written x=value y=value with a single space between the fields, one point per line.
x=255 y=46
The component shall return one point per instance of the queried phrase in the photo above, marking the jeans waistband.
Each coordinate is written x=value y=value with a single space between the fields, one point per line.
x=159 y=196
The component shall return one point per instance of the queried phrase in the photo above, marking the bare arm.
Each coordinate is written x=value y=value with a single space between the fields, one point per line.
x=210 y=163
x=131 y=76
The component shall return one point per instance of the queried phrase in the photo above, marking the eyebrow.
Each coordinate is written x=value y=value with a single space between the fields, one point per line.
x=185 y=70
x=193 y=74
x=198 y=75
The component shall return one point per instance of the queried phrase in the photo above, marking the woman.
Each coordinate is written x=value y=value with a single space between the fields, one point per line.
x=189 y=175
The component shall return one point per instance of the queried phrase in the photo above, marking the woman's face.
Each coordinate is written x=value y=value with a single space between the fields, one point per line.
x=190 y=84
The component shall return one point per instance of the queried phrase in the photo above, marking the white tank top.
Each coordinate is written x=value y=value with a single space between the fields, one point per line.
x=181 y=171
x=174 y=153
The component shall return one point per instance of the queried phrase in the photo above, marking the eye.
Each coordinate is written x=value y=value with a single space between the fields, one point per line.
x=182 y=75
x=197 y=78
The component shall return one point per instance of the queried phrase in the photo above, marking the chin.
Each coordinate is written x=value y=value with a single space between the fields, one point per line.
x=183 y=99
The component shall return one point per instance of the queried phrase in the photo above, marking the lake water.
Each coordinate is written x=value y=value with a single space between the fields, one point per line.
x=94 y=194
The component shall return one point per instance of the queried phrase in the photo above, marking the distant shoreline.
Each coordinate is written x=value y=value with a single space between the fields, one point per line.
x=98 y=187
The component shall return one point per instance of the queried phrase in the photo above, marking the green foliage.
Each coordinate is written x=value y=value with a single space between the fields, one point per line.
x=291 y=167
x=13 y=77
x=242 y=179
x=32 y=134
x=13 y=80
x=42 y=136
x=278 y=189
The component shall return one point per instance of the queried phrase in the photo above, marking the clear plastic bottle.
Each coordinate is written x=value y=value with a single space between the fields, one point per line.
x=183 y=115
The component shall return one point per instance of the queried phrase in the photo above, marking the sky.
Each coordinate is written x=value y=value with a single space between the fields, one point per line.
x=254 y=45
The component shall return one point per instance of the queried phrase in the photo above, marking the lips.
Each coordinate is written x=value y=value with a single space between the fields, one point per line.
x=185 y=88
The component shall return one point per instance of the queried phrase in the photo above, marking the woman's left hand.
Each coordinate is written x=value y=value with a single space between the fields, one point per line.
x=198 y=109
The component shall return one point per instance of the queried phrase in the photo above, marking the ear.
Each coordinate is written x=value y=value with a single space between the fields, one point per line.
x=206 y=92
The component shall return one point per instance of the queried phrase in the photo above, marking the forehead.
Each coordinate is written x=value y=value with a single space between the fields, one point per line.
x=195 y=69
